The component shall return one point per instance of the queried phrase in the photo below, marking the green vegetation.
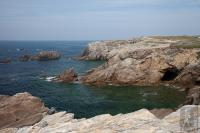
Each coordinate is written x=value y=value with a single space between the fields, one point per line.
x=187 y=42
x=188 y=46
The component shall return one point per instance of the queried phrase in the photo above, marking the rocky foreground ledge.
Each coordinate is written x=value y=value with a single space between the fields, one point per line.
x=23 y=107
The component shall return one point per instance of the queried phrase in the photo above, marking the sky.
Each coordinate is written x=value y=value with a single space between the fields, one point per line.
x=97 y=19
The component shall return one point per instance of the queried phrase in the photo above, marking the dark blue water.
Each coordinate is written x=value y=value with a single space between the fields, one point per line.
x=84 y=101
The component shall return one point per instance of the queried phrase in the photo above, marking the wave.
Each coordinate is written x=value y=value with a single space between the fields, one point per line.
x=49 y=79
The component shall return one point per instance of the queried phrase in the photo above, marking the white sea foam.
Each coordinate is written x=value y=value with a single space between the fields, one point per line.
x=49 y=79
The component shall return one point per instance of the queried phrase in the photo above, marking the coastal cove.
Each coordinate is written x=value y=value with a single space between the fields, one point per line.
x=82 y=100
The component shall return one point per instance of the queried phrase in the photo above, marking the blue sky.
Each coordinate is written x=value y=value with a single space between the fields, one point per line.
x=97 y=19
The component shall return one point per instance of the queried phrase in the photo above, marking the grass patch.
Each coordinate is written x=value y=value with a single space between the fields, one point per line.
x=188 y=46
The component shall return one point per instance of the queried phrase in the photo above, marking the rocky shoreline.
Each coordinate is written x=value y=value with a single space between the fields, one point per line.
x=143 y=61
x=25 y=110
x=148 y=61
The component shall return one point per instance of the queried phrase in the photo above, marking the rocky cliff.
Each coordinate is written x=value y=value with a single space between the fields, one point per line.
x=148 y=61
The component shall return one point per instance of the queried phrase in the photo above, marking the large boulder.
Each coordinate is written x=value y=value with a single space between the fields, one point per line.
x=19 y=110
x=68 y=76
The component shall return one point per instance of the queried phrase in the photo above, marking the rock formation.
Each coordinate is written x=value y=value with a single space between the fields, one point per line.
x=142 y=64
x=46 y=55
x=141 y=121
x=20 y=110
x=24 y=58
x=68 y=76
x=42 y=56
x=99 y=50
x=189 y=78
x=5 y=61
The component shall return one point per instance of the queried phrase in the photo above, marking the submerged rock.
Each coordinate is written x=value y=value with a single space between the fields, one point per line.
x=20 y=110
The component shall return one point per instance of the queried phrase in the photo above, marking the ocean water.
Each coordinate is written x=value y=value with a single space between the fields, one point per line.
x=83 y=101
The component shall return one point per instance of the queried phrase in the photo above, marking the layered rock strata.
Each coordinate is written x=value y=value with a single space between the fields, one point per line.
x=147 y=62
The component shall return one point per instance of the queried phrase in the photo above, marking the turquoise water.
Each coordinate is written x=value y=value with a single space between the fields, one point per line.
x=83 y=101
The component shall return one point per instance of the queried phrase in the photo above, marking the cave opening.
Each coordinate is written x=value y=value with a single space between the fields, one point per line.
x=170 y=74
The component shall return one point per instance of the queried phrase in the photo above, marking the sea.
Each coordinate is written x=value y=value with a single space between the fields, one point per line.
x=84 y=101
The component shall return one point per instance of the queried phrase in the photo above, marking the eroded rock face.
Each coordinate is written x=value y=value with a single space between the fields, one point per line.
x=20 y=110
x=189 y=79
x=141 y=121
x=142 y=66
x=68 y=76
x=149 y=61
x=100 y=50
x=190 y=76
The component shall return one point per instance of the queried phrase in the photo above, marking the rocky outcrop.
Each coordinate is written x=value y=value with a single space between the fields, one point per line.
x=142 y=66
x=150 y=61
x=46 y=55
x=20 y=110
x=142 y=121
x=189 y=78
x=24 y=58
x=68 y=76
x=99 y=50
x=42 y=56
x=5 y=61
